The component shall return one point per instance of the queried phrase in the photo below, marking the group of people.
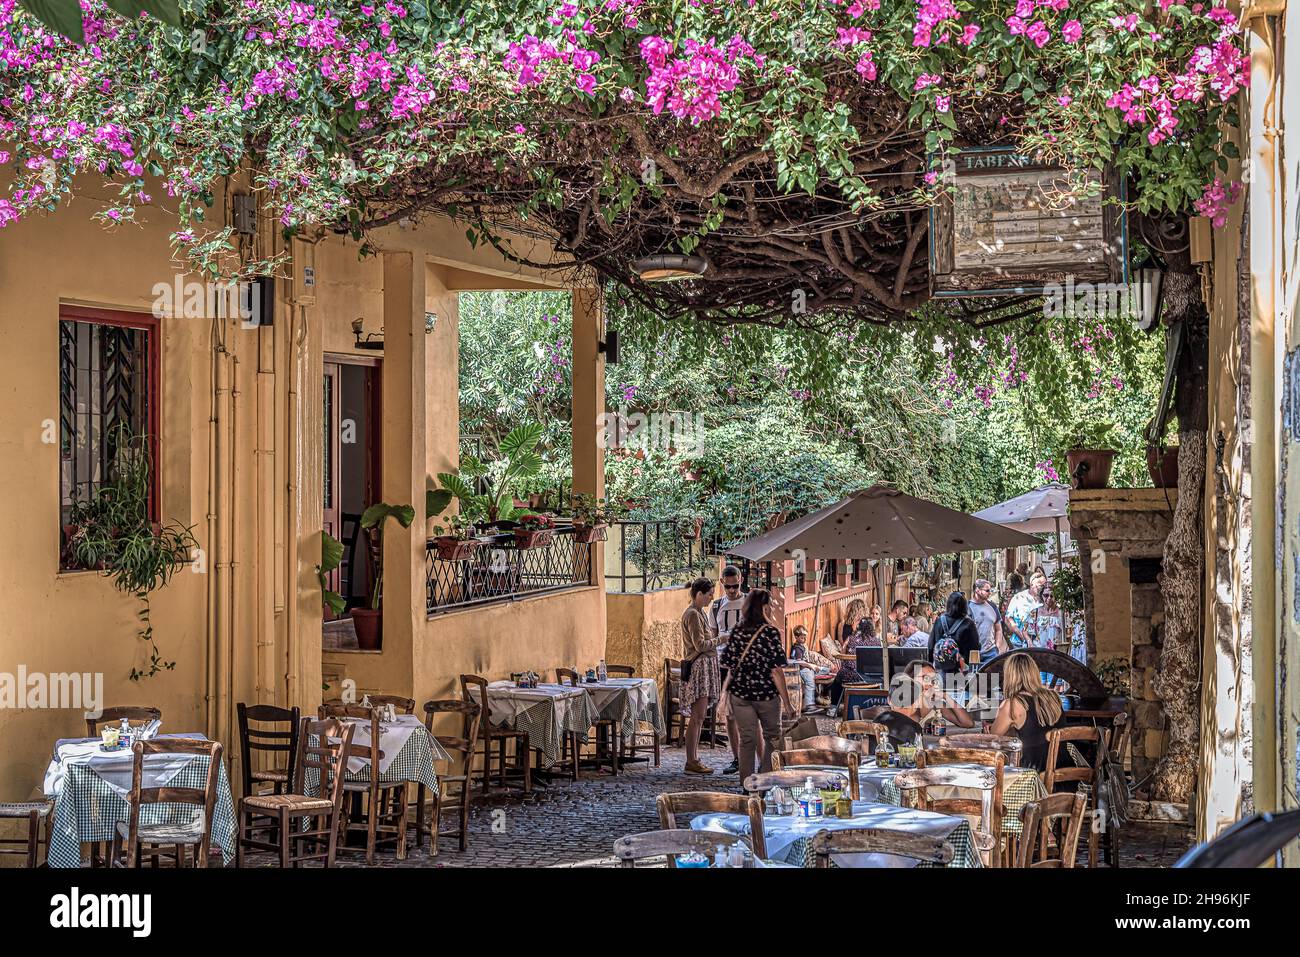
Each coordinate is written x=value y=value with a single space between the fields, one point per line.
x=735 y=655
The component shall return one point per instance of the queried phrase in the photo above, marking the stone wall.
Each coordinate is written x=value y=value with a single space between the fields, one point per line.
x=1144 y=705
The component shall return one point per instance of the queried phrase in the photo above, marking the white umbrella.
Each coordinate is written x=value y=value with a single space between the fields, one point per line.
x=1039 y=510
x=880 y=522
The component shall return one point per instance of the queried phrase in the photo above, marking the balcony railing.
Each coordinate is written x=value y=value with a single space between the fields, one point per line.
x=500 y=571
x=645 y=556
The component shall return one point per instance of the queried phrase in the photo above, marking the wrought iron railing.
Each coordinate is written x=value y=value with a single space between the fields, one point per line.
x=646 y=556
x=499 y=570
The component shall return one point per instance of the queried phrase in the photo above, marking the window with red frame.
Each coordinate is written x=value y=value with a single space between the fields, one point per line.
x=108 y=377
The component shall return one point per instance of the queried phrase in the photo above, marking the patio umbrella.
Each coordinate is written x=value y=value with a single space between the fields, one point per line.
x=879 y=523
x=1040 y=510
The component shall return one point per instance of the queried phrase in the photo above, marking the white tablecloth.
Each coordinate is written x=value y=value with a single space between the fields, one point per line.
x=113 y=767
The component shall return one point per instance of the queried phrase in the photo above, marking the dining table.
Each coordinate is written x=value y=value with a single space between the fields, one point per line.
x=90 y=787
x=628 y=701
x=546 y=712
x=408 y=752
x=1019 y=787
x=789 y=837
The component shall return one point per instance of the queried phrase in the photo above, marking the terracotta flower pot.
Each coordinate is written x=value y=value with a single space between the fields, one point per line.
x=369 y=625
x=453 y=549
x=526 y=538
x=1162 y=466
x=1090 y=468
x=586 y=534
x=690 y=532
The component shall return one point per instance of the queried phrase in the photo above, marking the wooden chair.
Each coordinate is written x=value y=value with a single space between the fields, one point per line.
x=1056 y=776
x=323 y=748
x=34 y=812
x=273 y=740
x=674 y=718
x=1059 y=813
x=833 y=742
x=764 y=782
x=878 y=840
x=639 y=847
x=984 y=814
x=385 y=802
x=937 y=757
x=716 y=802
x=115 y=716
x=131 y=838
x=462 y=745
x=620 y=671
x=820 y=758
x=474 y=688
x=1008 y=744
x=873 y=730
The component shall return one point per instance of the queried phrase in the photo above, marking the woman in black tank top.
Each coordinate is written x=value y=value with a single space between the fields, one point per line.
x=1028 y=710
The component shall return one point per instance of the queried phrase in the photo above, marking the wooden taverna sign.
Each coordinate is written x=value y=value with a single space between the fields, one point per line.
x=1008 y=224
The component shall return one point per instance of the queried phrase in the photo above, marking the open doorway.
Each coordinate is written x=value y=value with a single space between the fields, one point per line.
x=352 y=424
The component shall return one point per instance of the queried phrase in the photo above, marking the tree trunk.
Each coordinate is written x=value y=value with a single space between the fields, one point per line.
x=1178 y=682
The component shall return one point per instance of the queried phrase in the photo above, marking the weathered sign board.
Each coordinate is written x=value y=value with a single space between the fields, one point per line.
x=1009 y=224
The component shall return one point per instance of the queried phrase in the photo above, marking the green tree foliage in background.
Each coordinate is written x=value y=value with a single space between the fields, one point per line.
x=790 y=421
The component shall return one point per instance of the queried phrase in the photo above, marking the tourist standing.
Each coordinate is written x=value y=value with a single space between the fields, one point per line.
x=954 y=636
x=701 y=678
x=1019 y=618
x=1048 y=622
x=987 y=618
x=754 y=660
x=724 y=614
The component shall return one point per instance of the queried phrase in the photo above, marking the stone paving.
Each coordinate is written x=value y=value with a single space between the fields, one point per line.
x=570 y=824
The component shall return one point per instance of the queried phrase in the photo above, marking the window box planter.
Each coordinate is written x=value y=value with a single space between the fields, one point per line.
x=586 y=534
x=526 y=538
x=453 y=549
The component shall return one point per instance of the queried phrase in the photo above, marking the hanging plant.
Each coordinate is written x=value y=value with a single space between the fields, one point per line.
x=112 y=532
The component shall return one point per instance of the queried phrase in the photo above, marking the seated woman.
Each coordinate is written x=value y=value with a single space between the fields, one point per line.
x=1028 y=709
x=918 y=693
x=864 y=635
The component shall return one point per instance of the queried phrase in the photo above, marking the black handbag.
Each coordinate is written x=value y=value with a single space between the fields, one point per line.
x=687 y=665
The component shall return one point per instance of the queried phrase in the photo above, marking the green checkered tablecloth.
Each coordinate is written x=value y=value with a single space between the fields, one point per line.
x=789 y=839
x=87 y=809
x=629 y=701
x=414 y=763
x=1019 y=787
x=547 y=721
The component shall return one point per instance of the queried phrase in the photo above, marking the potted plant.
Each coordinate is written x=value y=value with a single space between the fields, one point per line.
x=112 y=532
x=331 y=556
x=1090 y=456
x=690 y=526
x=369 y=622
x=456 y=541
x=591 y=518
x=534 y=530
x=518 y=461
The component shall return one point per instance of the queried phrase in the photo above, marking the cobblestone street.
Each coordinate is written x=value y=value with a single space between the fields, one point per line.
x=570 y=824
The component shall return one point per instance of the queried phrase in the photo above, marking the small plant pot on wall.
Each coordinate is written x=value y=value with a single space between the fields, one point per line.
x=453 y=549
x=690 y=528
x=1162 y=466
x=369 y=625
x=586 y=534
x=526 y=538
x=1090 y=468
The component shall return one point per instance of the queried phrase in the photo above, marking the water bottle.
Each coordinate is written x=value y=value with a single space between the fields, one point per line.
x=602 y=673
x=124 y=734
